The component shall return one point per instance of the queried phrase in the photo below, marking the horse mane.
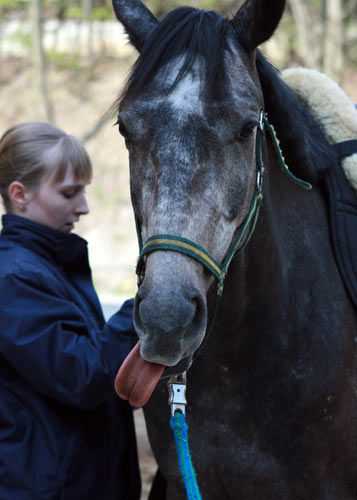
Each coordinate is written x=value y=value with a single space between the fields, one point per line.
x=183 y=31
x=305 y=148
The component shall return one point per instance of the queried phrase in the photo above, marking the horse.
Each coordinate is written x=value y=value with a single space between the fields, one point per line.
x=271 y=379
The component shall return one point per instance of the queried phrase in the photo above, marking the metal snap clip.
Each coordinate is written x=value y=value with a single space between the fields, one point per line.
x=177 y=393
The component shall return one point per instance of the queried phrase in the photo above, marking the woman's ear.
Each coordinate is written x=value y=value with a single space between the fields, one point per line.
x=19 y=196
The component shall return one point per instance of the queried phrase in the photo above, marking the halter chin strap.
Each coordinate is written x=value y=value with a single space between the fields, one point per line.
x=169 y=242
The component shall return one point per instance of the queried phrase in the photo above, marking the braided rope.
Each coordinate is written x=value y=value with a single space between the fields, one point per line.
x=283 y=165
x=180 y=428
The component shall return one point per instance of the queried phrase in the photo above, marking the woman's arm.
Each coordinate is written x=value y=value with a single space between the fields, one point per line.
x=45 y=337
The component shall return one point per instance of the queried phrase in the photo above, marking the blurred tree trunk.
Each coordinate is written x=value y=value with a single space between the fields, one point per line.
x=350 y=33
x=87 y=8
x=308 y=32
x=333 y=61
x=44 y=109
x=61 y=9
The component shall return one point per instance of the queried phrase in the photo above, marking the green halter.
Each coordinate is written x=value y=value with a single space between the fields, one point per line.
x=169 y=242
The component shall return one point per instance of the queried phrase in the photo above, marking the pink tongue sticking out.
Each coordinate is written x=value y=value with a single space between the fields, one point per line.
x=137 y=378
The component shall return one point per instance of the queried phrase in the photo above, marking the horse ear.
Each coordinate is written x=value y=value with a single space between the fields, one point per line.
x=137 y=20
x=256 y=21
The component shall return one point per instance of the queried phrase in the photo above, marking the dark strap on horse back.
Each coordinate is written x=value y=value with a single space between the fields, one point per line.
x=345 y=148
x=342 y=201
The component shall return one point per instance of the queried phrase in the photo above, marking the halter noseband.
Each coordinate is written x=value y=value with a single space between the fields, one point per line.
x=169 y=242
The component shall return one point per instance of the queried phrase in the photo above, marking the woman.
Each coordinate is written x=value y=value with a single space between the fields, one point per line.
x=64 y=434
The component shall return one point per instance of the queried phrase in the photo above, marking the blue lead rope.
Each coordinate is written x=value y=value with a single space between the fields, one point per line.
x=179 y=426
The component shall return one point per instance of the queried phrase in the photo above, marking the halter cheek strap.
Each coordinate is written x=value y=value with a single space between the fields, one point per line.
x=169 y=242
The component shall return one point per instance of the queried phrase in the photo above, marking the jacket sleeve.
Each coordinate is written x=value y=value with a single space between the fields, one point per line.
x=46 y=339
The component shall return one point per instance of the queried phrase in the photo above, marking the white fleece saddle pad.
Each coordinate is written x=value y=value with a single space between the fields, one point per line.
x=333 y=110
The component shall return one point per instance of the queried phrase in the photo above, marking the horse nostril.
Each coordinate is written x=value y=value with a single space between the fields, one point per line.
x=137 y=318
x=200 y=315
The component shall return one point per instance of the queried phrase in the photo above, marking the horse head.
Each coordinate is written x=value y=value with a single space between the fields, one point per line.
x=189 y=115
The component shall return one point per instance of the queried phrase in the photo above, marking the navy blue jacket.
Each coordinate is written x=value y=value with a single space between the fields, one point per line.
x=64 y=434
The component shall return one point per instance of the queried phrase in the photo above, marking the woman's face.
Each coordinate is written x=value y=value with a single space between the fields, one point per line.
x=57 y=204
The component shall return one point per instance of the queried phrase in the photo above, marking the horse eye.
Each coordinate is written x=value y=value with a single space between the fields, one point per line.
x=247 y=129
x=122 y=129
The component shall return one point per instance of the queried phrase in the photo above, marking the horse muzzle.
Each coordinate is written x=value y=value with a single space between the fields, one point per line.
x=170 y=314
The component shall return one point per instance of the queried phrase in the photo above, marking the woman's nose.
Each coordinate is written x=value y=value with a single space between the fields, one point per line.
x=82 y=207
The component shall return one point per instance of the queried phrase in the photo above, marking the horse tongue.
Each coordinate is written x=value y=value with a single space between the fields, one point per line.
x=137 y=378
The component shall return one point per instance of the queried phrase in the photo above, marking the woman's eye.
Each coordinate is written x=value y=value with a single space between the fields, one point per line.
x=68 y=195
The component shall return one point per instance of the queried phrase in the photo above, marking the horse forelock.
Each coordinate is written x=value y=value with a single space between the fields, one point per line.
x=187 y=35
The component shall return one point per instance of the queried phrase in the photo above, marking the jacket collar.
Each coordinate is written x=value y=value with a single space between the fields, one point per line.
x=63 y=248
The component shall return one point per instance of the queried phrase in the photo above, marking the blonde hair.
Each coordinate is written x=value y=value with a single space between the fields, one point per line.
x=29 y=151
